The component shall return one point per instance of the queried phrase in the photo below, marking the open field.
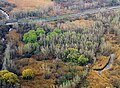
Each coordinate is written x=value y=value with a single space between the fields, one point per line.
x=30 y=4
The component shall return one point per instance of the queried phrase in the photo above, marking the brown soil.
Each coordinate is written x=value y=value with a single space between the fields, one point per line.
x=30 y=4
x=40 y=68
x=77 y=23
x=101 y=62
x=98 y=81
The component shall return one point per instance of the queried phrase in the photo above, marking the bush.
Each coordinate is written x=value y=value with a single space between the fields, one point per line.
x=82 y=60
x=58 y=31
x=40 y=31
x=2 y=72
x=116 y=83
x=74 y=56
x=10 y=77
x=47 y=75
x=30 y=47
x=65 y=78
x=27 y=74
x=30 y=37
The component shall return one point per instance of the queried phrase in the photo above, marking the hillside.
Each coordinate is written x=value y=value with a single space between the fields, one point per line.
x=60 y=44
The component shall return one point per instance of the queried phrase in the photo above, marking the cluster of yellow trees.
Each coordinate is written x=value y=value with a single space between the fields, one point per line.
x=12 y=78
x=8 y=77
x=27 y=74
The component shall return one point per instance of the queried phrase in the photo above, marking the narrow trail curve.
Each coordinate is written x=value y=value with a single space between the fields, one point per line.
x=108 y=65
x=99 y=77
x=59 y=17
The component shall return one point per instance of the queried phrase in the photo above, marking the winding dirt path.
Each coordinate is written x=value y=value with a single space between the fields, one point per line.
x=110 y=72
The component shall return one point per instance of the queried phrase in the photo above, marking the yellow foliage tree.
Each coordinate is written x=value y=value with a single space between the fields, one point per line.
x=2 y=72
x=27 y=74
x=10 y=77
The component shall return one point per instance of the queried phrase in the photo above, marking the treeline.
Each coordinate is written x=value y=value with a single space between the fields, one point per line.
x=61 y=7
x=86 y=4
x=38 y=12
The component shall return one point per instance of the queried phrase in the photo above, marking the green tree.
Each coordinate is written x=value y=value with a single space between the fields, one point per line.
x=51 y=35
x=30 y=37
x=82 y=60
x=40 y=31
x=27 y=74
x=10 y=77
x=72 y=54
x=2 y=72
x=72 y=50
x=72 y=57
x=57 y=30
x=28 y=47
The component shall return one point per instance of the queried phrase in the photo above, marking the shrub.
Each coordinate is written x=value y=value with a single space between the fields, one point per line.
x=82 y=60
x=116 y=83
x=72 y=50
x=47 y=75
x=61 y=80
x=30 y=47
x=51 y=35
x=10 y=77
x=2 y=72
x=56 y=30
x=106 y=48
x=65 y=78
x=72 y=54
x=27 y=74
x=30 y=37
x=40 y=31
x=72 y=57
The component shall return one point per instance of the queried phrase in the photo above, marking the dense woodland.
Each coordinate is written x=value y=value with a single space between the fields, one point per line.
x=61 y=54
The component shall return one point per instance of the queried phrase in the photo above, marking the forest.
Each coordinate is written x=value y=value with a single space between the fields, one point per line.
x=76 y=52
